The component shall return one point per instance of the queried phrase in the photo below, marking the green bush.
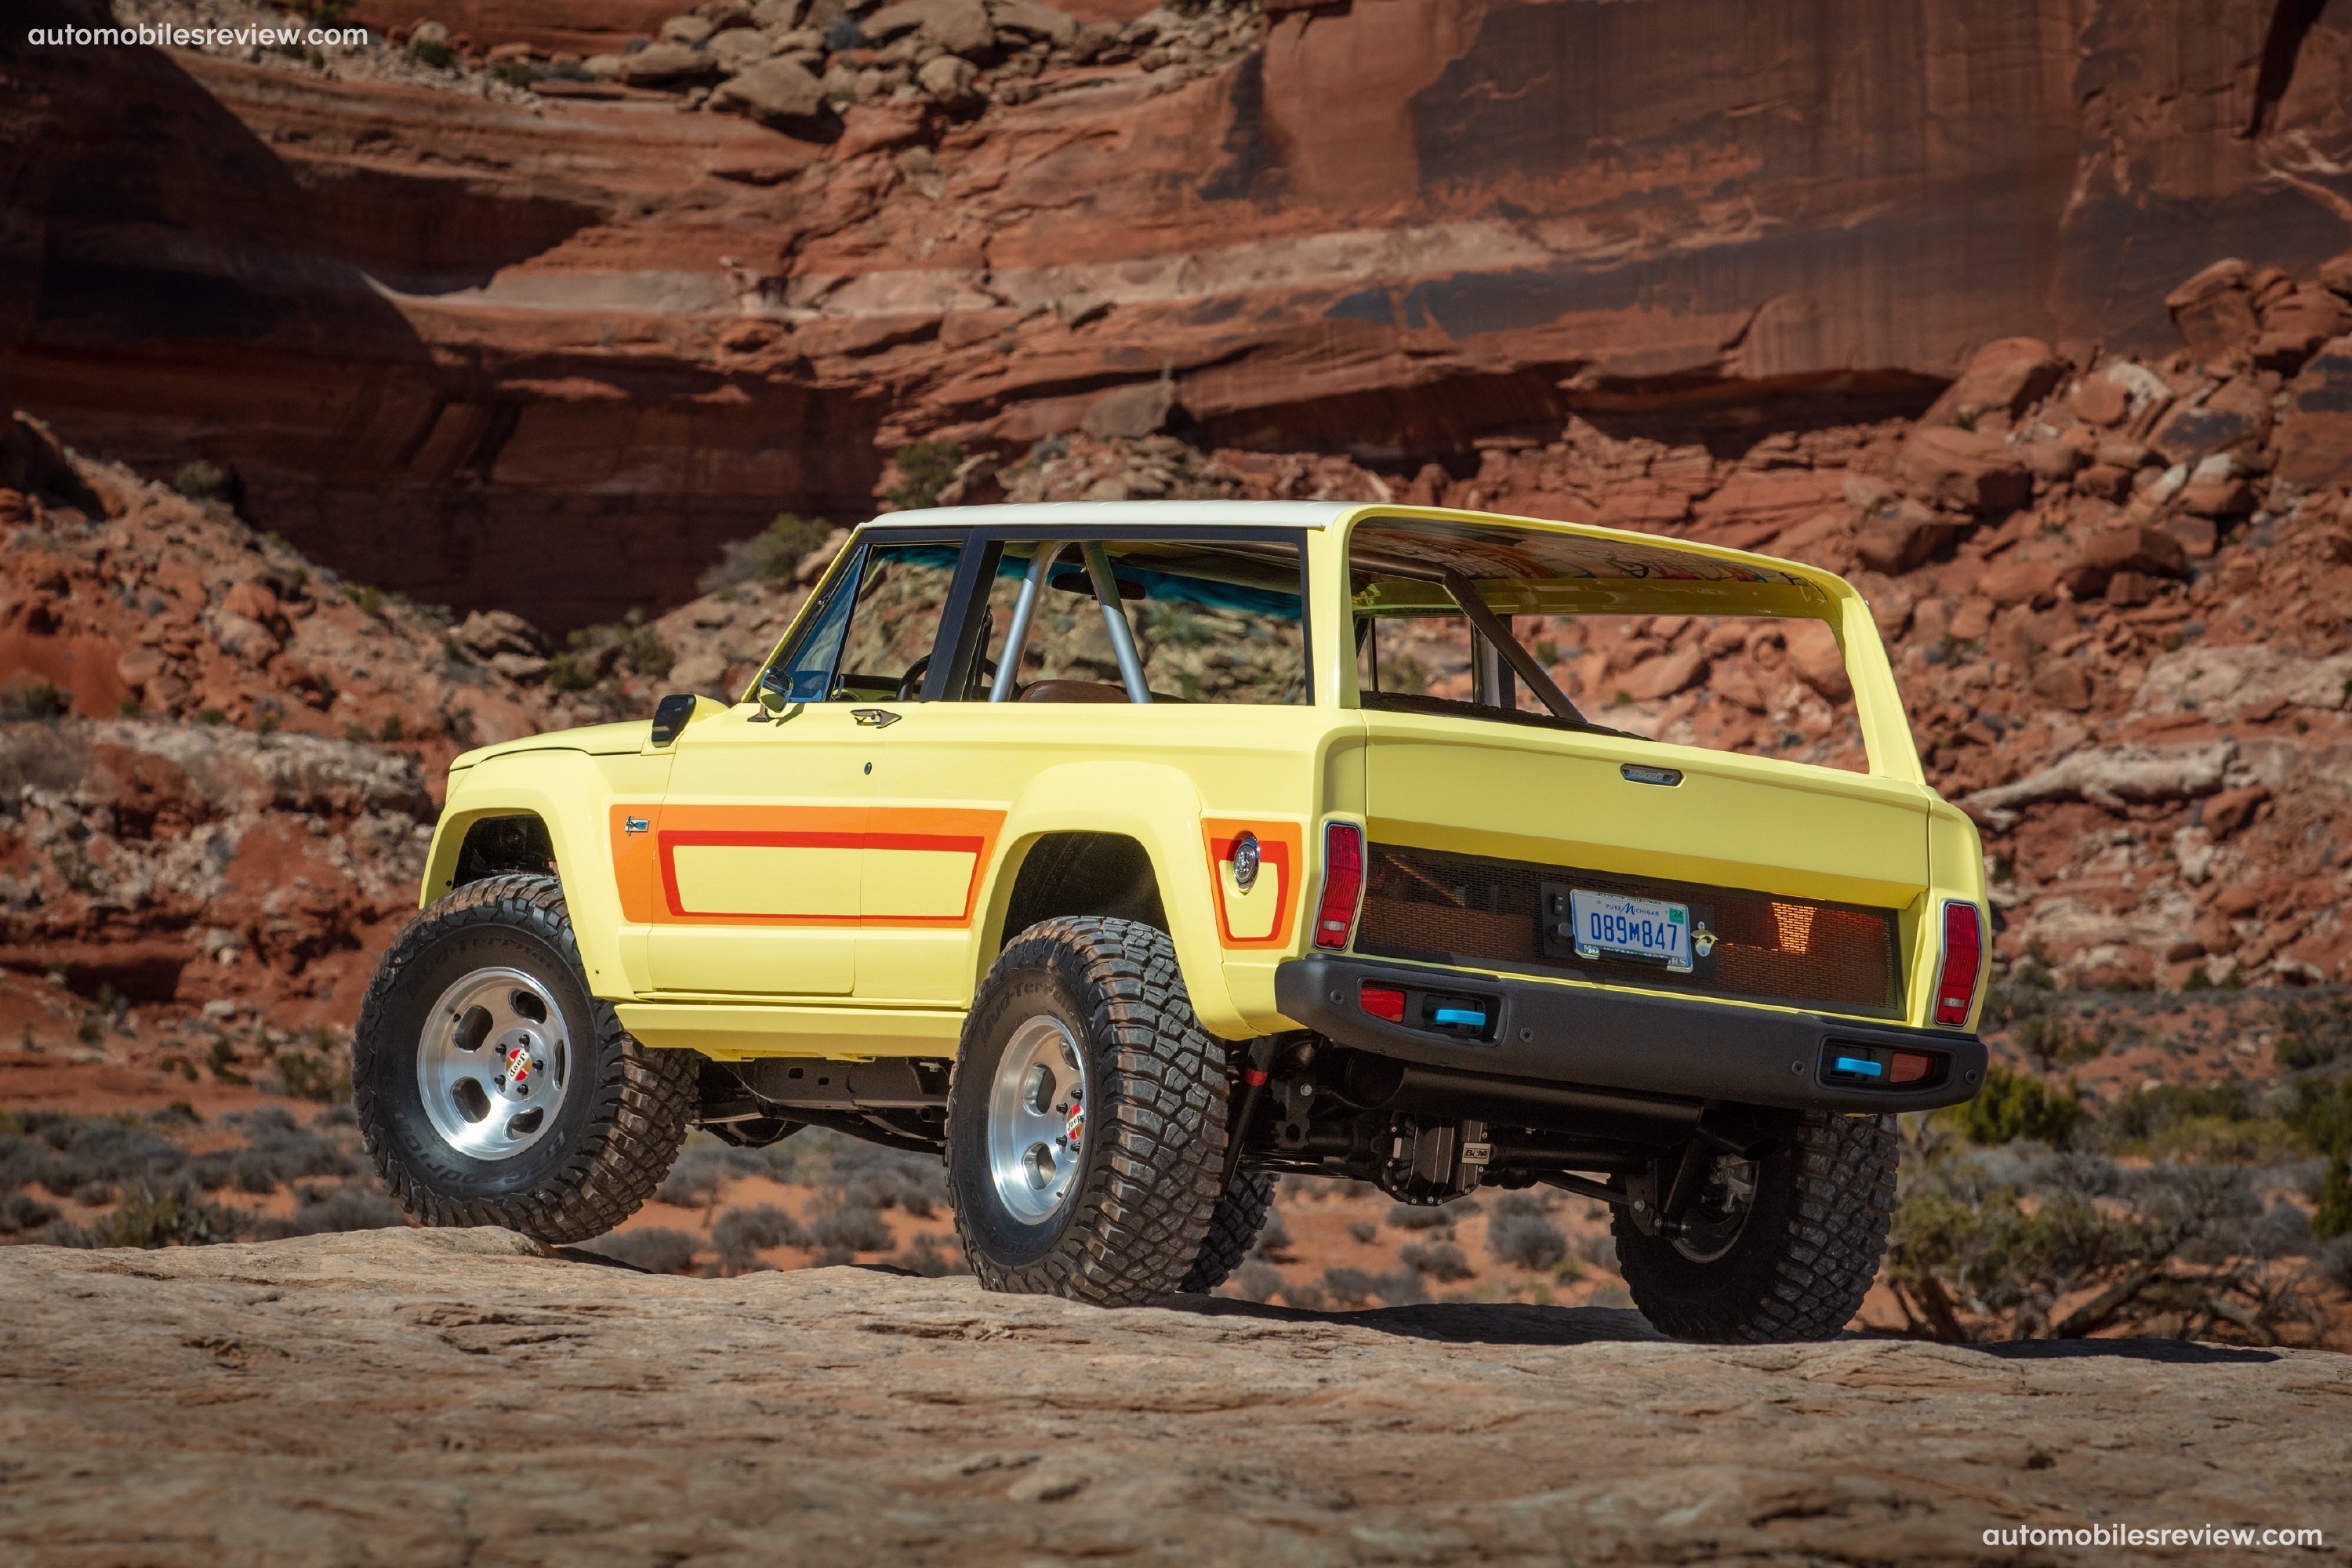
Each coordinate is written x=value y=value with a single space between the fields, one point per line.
x=772 y=555
x=2314 y=1035
x=515 y=73
x=201 y=482
x=150 y=1218
x=568 y=672
x=924 y=469
x=2322 y=1116
x=432 y=52
x=2018 y=1105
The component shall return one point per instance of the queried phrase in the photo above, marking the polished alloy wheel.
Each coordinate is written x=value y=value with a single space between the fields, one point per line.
x=1037 y=1120
x=1721 y=1213
x=492 y=1063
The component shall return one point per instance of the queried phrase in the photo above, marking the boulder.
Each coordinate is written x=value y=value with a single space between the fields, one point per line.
x=2101 y=400
x=667 y=65
x=1032 y=20
x=2314 y=444
x=2132 y=548
x=2217 y=488
x=2113 y=777
x=740 y=49
x=2062 y=684
x=1818 y=661
x=2214 y=311
x=950 y=81
x=2230 y=810
x=2003 y=380
x=777 y=16
x=723 y=15
x=687 y=31
x=1655 y=678
x=492 y=632
x=1894 y=539
x=1131 y=411
x=2236 y=413
x=2020 y=582
x=959 y=27
x=779 y=94
x=1973 y=471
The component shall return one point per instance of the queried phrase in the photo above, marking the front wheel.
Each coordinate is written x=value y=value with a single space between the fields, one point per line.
x=1779 y=1248
x=1086 y=1117
x=490 y=1086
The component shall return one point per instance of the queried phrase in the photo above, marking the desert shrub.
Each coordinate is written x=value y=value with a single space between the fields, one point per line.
x=924 y=1255
x=277 y=1152
x=703 y=1166
x=742 y=1234
x=1307 y=1295
x=318 y=1077
x=201 y=481
x=2322 y=1117
x=1526 y=1201
x=656 y=1249
x=1364 y=1230
x=21 y=1211
x=30 y=699
x=772 y=555
x=1987 y=1244
x=432 y=52
x=1348 y=1286
x=851 y=1229
x=65 y=1152
x=2313 y=1036
x=877 y=1178
x=570 y=672
x=1273 y=1237
x=1526 y=1241
x=1416 y=1216
x=924 y=469
x=1255 y=1281
x=2334 y=1261
x=1439 y=1260
x=2018 y=1105
x=348 y=1208
x=515 y=73
x=172 y=1215
x=1598 y=1250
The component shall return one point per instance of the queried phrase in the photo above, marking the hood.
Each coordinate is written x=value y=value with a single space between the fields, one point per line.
x=596 y=739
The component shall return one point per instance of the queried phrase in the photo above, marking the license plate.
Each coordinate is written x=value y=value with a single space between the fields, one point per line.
x=1610 y=925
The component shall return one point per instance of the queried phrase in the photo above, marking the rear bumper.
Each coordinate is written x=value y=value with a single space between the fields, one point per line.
x=1622 y=1040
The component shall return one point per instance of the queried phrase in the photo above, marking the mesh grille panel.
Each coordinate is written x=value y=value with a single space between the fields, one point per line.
x=1421 y=903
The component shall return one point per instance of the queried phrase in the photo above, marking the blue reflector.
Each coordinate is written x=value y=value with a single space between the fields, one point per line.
x=1860 y=1065
x=1459 y=1016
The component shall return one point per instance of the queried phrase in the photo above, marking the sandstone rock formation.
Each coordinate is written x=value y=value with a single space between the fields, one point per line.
x=422 y=1396
x=567 y=313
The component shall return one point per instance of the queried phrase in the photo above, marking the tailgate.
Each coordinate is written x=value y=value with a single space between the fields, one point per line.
x=1800 y=884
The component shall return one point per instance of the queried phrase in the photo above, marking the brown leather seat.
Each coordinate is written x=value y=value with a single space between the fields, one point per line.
x=1072 y=691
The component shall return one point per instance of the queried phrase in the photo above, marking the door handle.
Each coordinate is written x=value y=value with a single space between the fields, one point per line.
x=873 y=717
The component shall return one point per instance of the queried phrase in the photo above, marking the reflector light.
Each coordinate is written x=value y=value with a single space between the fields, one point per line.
x=1955 y=981
x=1910 y=1067
x=1382 y=1003
x=1458 y=1018
x=1861 y=1067
x=1343 y=884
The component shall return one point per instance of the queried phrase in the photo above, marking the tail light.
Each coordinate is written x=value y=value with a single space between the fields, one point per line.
x=1382 y=1002
x=1343 y=884
x=1955 y=981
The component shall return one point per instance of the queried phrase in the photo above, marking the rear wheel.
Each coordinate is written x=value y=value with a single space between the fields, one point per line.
x=1233 y=1231
x=1085 y=1121
x=1778 y=1248
x=492 y=1089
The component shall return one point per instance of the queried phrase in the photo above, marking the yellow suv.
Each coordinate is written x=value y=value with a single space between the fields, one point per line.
x=1126 y=855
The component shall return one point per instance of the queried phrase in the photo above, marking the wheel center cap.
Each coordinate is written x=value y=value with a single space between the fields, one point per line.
x=517 y=1065
x=1077 y=1122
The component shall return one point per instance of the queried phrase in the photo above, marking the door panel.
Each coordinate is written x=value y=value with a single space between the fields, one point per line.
x=758 y=853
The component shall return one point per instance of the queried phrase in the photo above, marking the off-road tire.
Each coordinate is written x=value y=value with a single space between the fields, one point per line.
x=1824 y=1199
x=1233 y=1231
x=1140 y=1203
x=624 y=1111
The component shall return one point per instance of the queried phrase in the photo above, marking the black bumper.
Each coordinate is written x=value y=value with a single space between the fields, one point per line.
x=1667 y=1046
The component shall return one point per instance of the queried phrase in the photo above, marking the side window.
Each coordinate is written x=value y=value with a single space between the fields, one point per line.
x=871 y=641
x=1211 y=621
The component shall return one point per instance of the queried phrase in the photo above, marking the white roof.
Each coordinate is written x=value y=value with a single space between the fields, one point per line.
x=1078 y=516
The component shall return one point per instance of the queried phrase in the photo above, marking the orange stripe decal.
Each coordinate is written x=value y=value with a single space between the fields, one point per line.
x=883 y=890
x=1281 y=854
